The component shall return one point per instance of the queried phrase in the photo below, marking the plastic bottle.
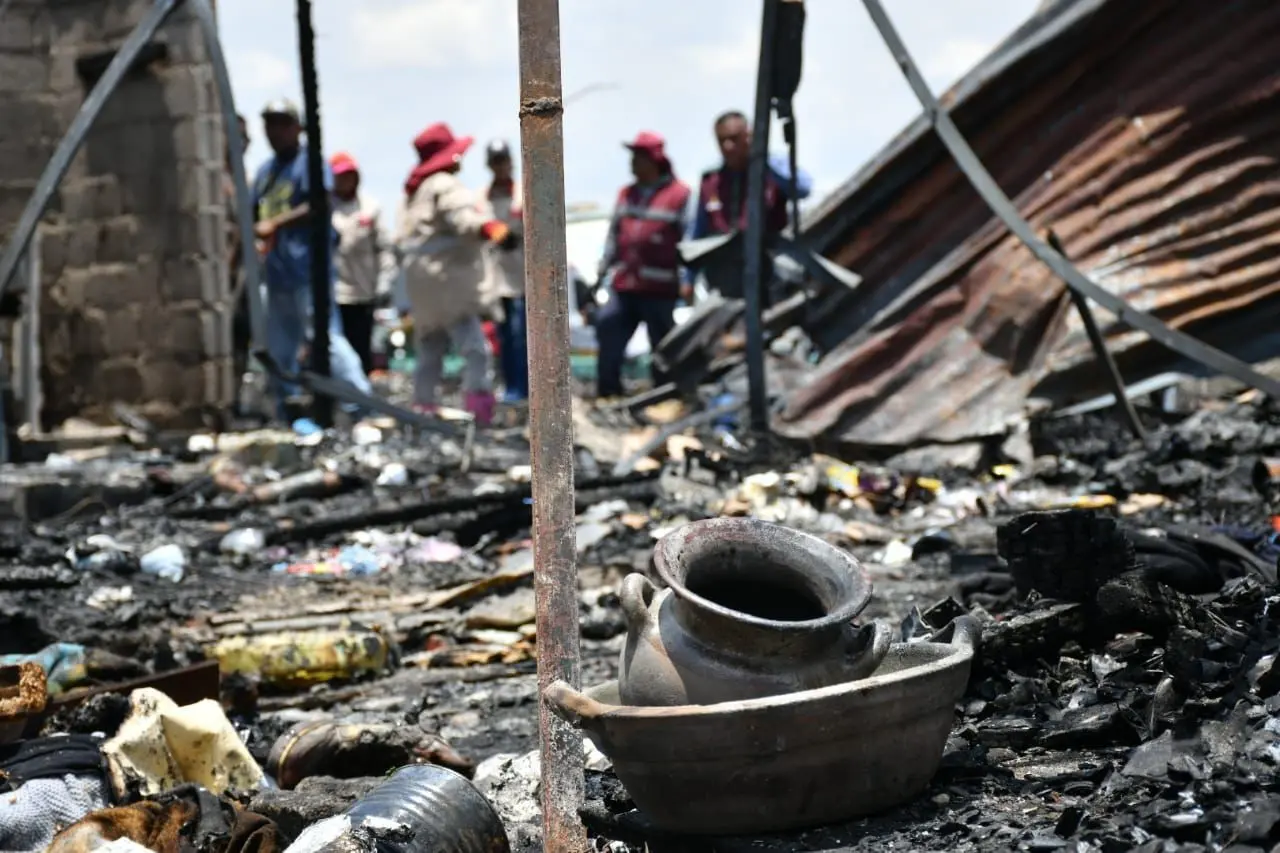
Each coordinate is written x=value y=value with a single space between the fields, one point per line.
x=167 y=561
x=302 y=658
x=421 y=808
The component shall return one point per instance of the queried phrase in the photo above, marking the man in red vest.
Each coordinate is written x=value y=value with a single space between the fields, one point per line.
x=722 y=194
x=641 y=263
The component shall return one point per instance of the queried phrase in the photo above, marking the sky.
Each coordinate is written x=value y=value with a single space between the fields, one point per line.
x=389 y=68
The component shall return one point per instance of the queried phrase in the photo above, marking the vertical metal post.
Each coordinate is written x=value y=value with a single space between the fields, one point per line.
x=753 y=244
x=550 y=415
x=30 y=343
x=1100 y=351
x=318 y=221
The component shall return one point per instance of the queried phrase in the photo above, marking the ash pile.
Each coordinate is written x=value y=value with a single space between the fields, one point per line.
x=317 y=616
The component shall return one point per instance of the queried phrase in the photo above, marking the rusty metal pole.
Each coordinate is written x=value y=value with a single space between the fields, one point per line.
x=753 y=242
x=550 y=415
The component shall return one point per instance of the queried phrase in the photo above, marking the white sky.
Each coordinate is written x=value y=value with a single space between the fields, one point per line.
x=388 y=68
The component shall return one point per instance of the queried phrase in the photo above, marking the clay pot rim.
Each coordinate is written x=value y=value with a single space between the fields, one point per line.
x=664 y=559
x=588 y=704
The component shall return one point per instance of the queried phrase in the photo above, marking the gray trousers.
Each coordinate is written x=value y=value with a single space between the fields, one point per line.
x=467 y=337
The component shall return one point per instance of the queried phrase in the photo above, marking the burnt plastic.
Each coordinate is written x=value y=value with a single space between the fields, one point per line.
x=443 y=809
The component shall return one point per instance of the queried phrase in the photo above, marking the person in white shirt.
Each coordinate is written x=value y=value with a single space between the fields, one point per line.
x=364 y=258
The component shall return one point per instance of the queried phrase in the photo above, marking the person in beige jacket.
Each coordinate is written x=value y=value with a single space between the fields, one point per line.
x=364 y=259
x=442 y=235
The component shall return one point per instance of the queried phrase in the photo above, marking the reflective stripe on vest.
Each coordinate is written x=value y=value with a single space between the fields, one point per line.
x=657 y=274
x=652 y=214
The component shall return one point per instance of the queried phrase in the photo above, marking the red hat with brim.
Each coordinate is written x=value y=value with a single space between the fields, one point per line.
x=651 y=145
x=438 y=148
x=342 y=163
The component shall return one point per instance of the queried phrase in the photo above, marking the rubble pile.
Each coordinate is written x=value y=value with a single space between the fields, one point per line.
x=326 y=613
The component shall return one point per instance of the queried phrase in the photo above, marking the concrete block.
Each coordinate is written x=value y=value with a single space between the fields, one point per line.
x=164 y=379
x=13 y=198
x=22 y=72
x=128 y=330
x=53 y=249
x=200 y=139
x=82 y=244
x=121 y=380
x=27 y=27
x=96 y=197
x=193 y=280
x=110 y=287
x=180 y=87
x=118 y=240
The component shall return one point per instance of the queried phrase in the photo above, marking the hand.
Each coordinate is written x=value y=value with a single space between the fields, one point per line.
x=265 y=230
x=496 y=232
x=686 y=293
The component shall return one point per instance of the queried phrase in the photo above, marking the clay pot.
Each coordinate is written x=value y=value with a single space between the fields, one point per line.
x=784 y=762
x=752 y=609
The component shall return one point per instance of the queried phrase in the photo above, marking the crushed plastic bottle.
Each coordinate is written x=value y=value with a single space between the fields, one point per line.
x=243 y=541
x=167 y=562
x=298 y=659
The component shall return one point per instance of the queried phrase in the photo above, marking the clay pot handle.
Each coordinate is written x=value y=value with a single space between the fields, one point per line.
x=571 y=705
x=636 y=594
x=962 y=631
x=867 y=649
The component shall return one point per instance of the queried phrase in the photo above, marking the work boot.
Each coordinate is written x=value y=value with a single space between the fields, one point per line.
x=480 y=405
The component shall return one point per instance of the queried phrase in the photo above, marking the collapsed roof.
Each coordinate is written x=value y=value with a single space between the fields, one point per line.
x=1144 y=135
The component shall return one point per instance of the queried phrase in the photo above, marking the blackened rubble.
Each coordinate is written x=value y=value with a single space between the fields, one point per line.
x=1126 y=695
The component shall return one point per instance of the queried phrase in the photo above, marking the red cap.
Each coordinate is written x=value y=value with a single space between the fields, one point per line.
x=651 y=144
x=342 y=162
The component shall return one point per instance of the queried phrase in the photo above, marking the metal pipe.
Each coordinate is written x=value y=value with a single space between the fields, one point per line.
x=30 y=343
x=235 y=149
x=318 y=221
x=753 y=244
x=981 y=179
x=550 y=415
x=1100 y=350
x=74 y=138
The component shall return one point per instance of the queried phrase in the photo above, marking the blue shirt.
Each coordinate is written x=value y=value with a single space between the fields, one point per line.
x=780 y=167
x=288 y=264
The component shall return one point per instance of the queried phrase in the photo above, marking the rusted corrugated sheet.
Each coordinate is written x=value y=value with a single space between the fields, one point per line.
x=1145 y=134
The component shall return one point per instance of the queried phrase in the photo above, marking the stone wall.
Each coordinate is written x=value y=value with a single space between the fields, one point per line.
x=135 y=306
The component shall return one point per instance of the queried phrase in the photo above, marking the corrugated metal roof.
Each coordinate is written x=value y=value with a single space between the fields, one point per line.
x=1145 y=134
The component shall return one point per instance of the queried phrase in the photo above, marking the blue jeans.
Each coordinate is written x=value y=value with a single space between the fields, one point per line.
x=617 y=322
x=515 y=350
x=288 y=327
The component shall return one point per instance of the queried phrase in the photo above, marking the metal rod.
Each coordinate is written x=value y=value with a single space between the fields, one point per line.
x=981 y=179
x=550 y=415
x=31 y=401
x=204 y=13
x=74 y=138
x=753 y=244
x=1100 y=350
x=318 y=222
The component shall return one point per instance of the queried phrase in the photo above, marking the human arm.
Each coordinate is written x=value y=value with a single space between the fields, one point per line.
x=781 y=168
x=464 y=216
x=266 y=229
x=610 y=254
x=698 y=226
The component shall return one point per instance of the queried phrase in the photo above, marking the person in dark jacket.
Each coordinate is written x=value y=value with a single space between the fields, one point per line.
x=641 y=264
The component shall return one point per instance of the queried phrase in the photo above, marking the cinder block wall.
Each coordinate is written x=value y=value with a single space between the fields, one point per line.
x=135 y=304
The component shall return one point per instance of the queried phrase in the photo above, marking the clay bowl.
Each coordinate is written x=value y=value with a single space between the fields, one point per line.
x=784 y=762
